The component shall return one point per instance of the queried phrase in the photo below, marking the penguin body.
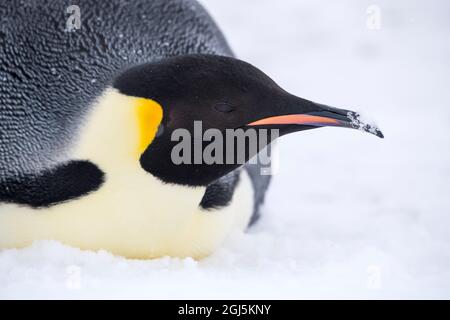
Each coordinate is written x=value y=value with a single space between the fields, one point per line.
x=131 y=214
x=51 y=81
x=87 y=121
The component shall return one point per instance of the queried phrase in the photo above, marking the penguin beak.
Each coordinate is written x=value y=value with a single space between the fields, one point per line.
x=322 y=116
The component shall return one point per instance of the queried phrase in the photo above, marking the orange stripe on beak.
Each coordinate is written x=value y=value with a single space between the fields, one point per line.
x=304 y=119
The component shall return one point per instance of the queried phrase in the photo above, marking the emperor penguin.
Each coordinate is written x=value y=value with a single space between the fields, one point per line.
x=87 y=122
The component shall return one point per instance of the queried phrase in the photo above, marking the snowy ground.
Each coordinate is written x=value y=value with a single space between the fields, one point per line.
x=348 y=215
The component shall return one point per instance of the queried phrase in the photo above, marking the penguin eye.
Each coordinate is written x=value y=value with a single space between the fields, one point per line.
x=223 y=107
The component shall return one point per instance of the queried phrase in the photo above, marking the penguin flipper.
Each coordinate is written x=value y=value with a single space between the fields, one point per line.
x=64 y=182
x=219 y=193
x=260 y=184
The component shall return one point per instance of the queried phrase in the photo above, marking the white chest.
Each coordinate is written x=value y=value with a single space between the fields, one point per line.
x=134 y=216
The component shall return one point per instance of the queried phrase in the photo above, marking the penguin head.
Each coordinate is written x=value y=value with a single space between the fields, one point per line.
x=192 y=94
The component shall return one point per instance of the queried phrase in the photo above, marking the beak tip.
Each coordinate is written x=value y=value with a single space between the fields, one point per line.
x=379 y=134
x=373 y=130
x=358 y=123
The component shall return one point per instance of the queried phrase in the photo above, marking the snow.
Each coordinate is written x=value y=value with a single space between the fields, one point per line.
x=348 y=215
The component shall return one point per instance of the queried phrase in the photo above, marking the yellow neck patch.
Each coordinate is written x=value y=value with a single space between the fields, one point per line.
x=149 y=116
